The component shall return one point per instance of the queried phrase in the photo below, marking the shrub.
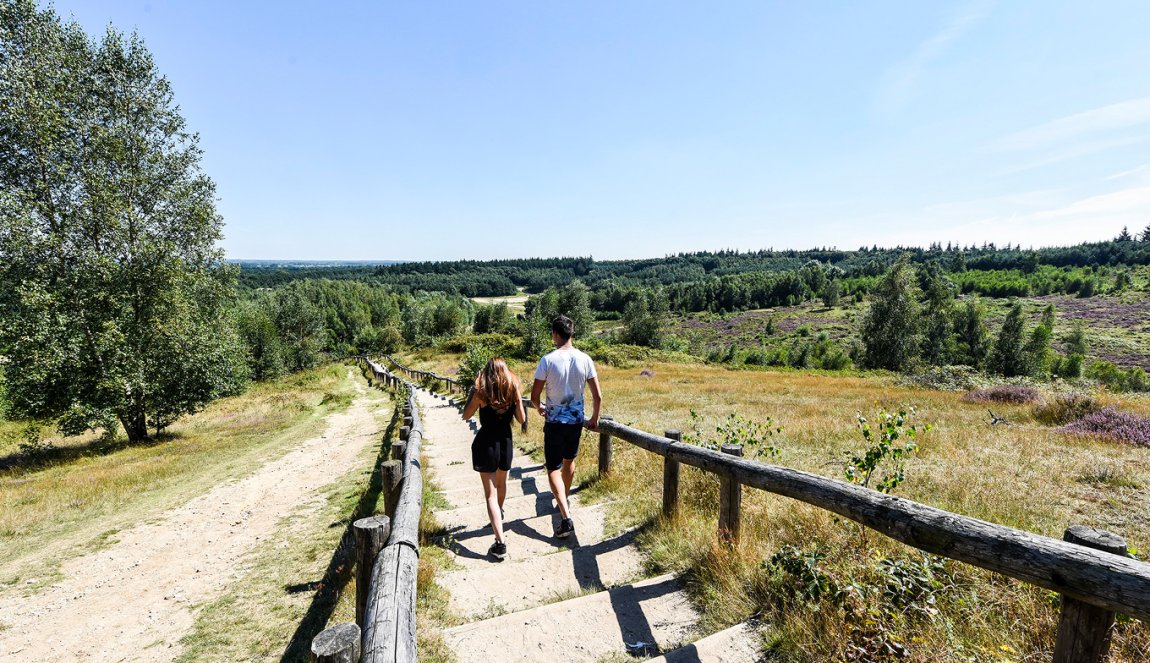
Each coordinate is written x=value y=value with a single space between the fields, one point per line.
x=1113 y=424
x=1115 y=379
x=1069 y=366
x=504 y=345
x=476 y=357
x=1011 y=394
x=1065 y=409
x=945 y=378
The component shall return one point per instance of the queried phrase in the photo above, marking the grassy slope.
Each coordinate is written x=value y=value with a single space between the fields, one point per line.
x=51 y=512
x=1024 y=475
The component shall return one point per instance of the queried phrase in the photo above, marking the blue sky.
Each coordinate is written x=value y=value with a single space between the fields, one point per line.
x=446 y=130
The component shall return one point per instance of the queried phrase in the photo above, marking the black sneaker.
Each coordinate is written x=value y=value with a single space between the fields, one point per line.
x=498 y=550
x=566 y=528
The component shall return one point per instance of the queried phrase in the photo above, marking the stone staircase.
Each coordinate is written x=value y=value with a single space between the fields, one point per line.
x=583 y=598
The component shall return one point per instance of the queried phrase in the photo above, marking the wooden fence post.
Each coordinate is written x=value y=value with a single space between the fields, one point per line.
x=370 y=537
x=671 y=478
x=605 y=451
x=1084 y=629
x=338 y=644
x=730 y=499
x=399 y=450
x=391 y=473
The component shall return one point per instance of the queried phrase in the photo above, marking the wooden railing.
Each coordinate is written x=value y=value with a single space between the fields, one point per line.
x=387 y=550
x=1090 y=568
x=425 y=377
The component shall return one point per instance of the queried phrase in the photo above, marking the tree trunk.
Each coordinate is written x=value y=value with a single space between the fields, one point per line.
x=135 y=426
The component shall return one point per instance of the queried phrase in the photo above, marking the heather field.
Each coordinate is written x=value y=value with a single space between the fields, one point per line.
x=805 y=572
x=1118 y=326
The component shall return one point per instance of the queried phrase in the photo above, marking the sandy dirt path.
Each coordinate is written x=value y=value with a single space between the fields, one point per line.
x=133 y=600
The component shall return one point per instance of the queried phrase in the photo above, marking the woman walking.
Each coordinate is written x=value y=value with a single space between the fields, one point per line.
x=497 y=397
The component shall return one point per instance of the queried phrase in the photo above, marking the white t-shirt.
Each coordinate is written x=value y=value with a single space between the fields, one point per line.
x=566 y=372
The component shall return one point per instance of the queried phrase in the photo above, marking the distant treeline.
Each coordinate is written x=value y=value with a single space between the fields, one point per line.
x=728 y=281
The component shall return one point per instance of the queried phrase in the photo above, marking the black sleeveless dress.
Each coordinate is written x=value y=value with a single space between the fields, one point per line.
x=492 y=448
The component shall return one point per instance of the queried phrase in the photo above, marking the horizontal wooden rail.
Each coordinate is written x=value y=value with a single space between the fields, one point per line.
x=450 y=383
x=1110 y=581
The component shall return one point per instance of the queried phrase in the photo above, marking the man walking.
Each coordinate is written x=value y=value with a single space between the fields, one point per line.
x=564 y=372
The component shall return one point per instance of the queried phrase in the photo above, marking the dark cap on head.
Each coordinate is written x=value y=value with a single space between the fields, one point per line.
x=563 y=326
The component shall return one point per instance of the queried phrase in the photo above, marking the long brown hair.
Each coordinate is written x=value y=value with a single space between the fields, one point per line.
x=496 y=384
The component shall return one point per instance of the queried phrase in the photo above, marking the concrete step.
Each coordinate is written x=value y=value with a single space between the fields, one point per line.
x=450 y=477
x=515 y=507
x=469 y=493
x=519 y=583
x=525 y=536
x=584 y=629
x=737 y=644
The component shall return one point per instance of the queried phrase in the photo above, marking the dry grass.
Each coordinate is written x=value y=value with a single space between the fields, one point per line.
x=1024 y=475
x=301 y=579
x=51 y=512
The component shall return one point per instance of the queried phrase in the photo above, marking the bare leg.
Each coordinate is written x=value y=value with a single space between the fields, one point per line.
x=568 y=474
x=501 y=487
x=558 y=491
x=490 y=492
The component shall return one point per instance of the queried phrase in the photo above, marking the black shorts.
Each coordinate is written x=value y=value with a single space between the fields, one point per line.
x=491 y=455
x=560 y=443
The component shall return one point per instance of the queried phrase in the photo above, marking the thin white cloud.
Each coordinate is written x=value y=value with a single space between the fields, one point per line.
x=1083 y=149
x=1037 y=218
x=1138 y=171
x=1122 y=115
x=900 y=79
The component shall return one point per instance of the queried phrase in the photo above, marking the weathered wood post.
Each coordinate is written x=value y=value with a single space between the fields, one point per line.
x=399 y=449
x=671 y=477
x=1084 y=629
x=338 y=644
x=391 y=475
x=605 y=450
x=730 y=499
x=370 y=538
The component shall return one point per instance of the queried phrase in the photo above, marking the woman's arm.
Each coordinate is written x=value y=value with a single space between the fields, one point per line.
x=520 y=415
x=474 y=402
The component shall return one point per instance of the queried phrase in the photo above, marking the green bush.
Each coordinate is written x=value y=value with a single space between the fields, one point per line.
x=473 y=361
x=1116 y=379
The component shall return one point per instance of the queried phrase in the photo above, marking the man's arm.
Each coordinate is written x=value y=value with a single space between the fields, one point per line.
x=597 y=402
x=536 y=392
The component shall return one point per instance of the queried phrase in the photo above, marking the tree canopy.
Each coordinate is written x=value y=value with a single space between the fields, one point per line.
x=115 y=303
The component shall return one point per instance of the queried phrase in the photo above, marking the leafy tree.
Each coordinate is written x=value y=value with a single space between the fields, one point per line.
x=890 y=330
x=972 y=338
x=257 y=327
x=938 y=294
x=1076 y=341
x=832 y=293
x=301 y=329
x=645 y=320
x=813 y=276
x=492 y=318
x=1007 y=358
x=115 y=296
